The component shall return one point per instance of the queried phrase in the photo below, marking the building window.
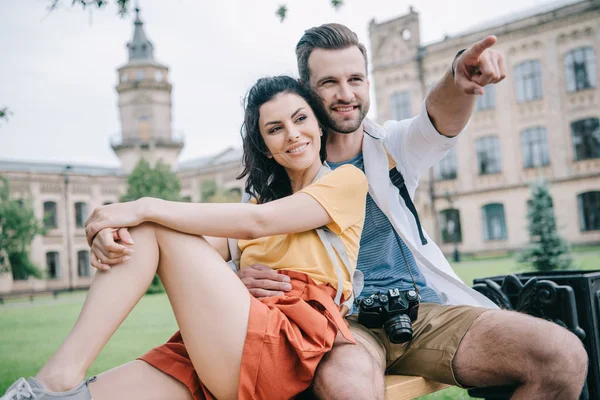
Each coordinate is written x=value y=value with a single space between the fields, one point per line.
x=487 y=101
x=580 y=69
x=589 y=211
x=139 y=74
x=158 y=76
x=494 y=223
x=123 y=77
x=450 y=224
x=53 y=265
x=80 y=214
x=488 y=155
x=401 y=108
x=528 y=81
x=83 y=263
x=50 y=215
x=446 y=168
x=534 y=147
x=586 y=138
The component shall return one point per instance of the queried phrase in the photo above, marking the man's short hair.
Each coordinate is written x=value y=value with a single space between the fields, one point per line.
x=329 y=37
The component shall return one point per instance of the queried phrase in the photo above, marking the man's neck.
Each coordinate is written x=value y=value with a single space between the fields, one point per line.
x=344 y=146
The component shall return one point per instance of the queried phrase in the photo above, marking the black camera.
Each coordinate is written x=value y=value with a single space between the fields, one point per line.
x=395 y=311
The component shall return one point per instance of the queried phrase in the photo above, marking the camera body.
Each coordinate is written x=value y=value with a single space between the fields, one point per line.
x=394 y=310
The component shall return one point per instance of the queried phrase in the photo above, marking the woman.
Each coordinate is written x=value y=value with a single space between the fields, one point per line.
x=235 y=345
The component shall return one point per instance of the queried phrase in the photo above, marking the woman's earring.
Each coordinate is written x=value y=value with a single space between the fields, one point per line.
x=322 y=131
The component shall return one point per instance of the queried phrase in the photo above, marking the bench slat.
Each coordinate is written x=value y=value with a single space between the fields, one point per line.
x=401 y=387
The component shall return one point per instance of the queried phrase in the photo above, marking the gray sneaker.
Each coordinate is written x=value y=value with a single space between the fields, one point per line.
x=32 y=389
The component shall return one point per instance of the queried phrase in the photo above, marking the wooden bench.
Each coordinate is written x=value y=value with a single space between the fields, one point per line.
x=401 y=387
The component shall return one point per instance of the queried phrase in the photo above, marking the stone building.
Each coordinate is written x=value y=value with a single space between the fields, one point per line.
x=542 y=121
x=64 y=195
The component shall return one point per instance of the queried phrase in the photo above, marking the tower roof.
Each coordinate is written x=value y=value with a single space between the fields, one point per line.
x=140 y=48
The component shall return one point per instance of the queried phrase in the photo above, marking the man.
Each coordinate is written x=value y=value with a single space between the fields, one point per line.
x=460 y=337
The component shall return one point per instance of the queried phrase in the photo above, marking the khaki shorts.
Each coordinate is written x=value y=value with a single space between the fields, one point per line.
x=437 y=333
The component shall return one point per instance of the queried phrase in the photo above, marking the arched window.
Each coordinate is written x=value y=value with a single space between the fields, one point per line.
x=494 y=222
x=401 y=107
x=446 y=168
x=528 y=81
x=80 y=214
x=83 y=263
x=580 y=69
x=586 y=138
x=53 y=265
x=534 y=147
x=450 y=225
x=488 y=155
x=50 y=215
x=589 y=211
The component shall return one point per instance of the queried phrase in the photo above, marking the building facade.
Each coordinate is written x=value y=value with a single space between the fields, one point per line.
x=63 y=196
x=541 y=122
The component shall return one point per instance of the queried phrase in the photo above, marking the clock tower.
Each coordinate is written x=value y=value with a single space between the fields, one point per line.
x=144 y=106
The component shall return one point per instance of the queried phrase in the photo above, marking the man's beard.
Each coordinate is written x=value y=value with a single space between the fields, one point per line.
x=346 y=125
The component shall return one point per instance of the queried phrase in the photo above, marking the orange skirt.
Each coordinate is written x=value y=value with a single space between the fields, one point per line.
x=287 y=338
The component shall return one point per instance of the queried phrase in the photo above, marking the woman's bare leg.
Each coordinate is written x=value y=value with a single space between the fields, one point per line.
x=211 y=306
x=138 y=380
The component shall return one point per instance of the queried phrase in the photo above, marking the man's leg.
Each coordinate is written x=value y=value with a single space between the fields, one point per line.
x=505 y=347
x=352 y=371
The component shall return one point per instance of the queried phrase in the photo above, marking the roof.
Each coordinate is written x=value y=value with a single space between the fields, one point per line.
x=140 y=47
x=227 y=156
x=57 y=168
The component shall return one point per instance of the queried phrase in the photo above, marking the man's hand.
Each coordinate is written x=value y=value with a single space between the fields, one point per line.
x=479 y=66
x=263 y=281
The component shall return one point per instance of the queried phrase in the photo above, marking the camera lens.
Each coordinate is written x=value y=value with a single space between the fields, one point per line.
x=398 y=328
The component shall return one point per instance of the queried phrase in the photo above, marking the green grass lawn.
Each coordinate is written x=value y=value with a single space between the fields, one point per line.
x=31 y=332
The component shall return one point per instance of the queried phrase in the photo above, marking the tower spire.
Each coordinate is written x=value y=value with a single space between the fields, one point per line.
x=140 y=48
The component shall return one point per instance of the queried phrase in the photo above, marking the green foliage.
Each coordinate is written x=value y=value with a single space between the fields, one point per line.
x=122 y=5
x=547 y=250
x=18 y=227
x=5 y=113
x=159 y=182
x=212 y=194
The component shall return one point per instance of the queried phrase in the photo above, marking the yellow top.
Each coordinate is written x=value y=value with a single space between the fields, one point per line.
x=342 y=193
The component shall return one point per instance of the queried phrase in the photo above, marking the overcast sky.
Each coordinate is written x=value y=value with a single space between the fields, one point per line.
x=58 y=69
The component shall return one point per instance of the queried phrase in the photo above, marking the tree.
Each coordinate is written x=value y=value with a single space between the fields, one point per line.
x=211 y=193
x=159 y=182
x=4 y=113
x=547 y=250
x=18 y=227
x=123 y=6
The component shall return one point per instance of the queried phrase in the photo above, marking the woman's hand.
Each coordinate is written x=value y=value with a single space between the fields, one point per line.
x=106 y=252
x=118 y=215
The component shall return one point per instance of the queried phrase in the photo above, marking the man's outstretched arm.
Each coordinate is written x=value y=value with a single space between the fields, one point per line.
x=450 y=103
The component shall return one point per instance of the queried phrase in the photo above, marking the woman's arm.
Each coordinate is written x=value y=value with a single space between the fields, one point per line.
x=297 y=213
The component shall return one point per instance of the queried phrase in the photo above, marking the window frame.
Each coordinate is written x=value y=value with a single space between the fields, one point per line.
x=491 y=146
x=588 y=63
x=534 y=141
x=50 y=221
x=529 y=84
x=488 y=235
x=583 y=145
x=585 y=220
x=443 y=215
x=56 y=256
x=401 y=105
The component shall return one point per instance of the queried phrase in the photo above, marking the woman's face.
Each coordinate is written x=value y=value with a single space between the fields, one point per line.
x=291 y=131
